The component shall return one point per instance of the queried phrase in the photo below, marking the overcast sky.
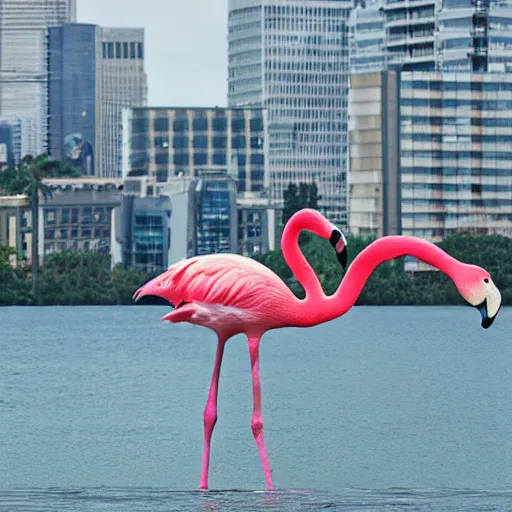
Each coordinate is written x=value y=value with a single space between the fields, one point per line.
x=186 y=45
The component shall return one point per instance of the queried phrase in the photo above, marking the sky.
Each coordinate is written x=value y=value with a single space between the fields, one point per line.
x=186 y=45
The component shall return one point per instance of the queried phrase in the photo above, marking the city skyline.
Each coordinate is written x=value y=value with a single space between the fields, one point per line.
x=195 y=77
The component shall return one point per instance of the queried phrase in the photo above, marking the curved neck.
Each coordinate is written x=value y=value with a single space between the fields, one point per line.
x=383 y=249
x=309 y=220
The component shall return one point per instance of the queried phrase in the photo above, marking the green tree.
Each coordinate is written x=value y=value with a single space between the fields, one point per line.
x=296 y=198
x=28 y=179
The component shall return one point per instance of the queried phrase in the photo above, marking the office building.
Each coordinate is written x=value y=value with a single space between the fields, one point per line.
x=291 y=58
x=454 y=132
x=23 y=64
x=123 y=84
x=95 y=72
x=78 y=216
x=168 y=142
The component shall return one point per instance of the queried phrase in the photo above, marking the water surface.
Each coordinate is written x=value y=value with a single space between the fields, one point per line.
x=104 y=406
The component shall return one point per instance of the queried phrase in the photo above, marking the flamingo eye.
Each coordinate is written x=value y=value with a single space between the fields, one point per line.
x=486 y=280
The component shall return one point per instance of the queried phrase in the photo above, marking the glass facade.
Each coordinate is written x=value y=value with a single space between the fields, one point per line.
x=72 y=94
x=292 y=59
x=167 y=142
x=23 y=68
x=216 y=207
x=456 y=153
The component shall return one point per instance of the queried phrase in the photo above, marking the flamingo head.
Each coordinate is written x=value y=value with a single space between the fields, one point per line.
x=339 y=242
x=477 y=288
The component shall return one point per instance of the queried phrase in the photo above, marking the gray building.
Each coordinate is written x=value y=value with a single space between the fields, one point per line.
x=24 y=66
x=78 y=216
x=291 y=58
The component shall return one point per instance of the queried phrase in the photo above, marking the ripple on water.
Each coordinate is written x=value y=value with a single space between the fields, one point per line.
x=156 y=500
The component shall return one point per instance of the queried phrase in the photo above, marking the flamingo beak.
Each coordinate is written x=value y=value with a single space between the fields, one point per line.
x=339 y=242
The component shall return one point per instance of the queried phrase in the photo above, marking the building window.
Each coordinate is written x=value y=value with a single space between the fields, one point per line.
x=257 y=159
x=200 y=124
x=238 y=125
x=140 y=51
x=180 y=158
x=238 y=142
x=220 y=142
x=110 y=50
x=200 y=141
x=257 y=125
x=50 y=217
x=132 y=50
x=161 y=176
x=180 y=141
x=104 y=49
x=220 y=125
x=161 y=142
x=219 y=159
x=118 y=51
x=162 y=159
x=161 y=124
x=200 y=159
x=125 y=50
x=87 y=215
x=180 y=125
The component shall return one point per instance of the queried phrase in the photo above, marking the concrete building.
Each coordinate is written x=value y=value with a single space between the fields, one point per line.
x=78 y=216
x=123 y=84
x=23 y=65
x=291 y=58
x=455 y=143
x=15 y=222
x=374 y=186
x=95 y=72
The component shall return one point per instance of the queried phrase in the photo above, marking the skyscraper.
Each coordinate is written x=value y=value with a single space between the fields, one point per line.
x=94 y=73
x=291 y=58
x=123 y=83
x=23 y=64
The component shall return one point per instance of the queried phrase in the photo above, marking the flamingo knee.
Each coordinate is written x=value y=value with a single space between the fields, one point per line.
x=210 y=417
x=257 y=427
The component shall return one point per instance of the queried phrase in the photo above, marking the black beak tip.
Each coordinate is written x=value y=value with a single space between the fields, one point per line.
x=342 y=257
x=487 y=322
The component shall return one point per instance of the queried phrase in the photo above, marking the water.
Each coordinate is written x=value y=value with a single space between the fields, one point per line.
x=384 y=409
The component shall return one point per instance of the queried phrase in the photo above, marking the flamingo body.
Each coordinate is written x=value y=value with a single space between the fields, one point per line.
x=227 y=293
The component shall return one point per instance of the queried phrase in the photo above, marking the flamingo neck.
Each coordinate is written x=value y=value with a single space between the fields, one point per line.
x=383 y=249
x=304 y=220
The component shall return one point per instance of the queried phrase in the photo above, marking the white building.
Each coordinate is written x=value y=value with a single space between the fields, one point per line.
x=291 y=58
x=23 y=64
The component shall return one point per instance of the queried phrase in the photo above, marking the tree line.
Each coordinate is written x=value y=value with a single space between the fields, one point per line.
x=86 y=278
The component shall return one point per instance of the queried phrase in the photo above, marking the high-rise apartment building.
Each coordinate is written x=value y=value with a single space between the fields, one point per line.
x=95 y=72
x=291 y=58
x=447 y=137
x=23 y=64
x=428 y=35
x=474 y=35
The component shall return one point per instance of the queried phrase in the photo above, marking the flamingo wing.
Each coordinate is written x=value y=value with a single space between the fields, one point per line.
x=226 y=279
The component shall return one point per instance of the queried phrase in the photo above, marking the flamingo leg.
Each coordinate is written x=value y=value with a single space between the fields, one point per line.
x=210 y=413
x=257 y=416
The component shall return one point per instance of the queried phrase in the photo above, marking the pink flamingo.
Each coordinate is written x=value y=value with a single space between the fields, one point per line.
x=232 y=294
